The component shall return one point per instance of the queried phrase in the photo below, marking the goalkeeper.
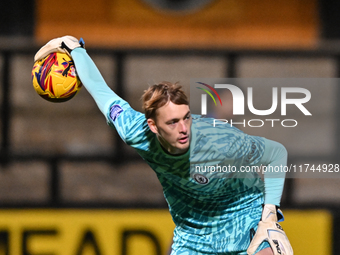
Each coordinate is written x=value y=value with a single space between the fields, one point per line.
x=212 y=215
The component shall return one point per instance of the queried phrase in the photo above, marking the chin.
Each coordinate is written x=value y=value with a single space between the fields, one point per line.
x=183 y=147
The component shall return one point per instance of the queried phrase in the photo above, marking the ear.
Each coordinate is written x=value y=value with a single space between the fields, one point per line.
x=152 y=126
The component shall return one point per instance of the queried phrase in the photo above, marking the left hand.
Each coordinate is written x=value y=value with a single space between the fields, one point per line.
x=271 y=231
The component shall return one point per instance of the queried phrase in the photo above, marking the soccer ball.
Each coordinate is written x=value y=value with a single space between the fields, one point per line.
x=55 y=78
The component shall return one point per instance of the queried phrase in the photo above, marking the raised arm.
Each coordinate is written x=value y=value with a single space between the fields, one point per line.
x=93 y=81
x=86 y=69
x=129 y=123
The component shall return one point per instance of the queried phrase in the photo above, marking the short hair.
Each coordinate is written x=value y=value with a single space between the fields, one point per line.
x=160 y=94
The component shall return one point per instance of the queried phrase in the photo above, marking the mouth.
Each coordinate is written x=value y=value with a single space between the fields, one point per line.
x=183 y=139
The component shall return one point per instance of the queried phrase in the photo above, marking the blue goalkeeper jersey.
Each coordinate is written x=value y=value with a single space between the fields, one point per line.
x=200 y=201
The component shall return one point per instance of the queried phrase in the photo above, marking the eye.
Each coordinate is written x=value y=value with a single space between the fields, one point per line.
x=173 y=122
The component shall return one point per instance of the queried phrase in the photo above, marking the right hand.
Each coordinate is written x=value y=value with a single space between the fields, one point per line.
x=63 y=44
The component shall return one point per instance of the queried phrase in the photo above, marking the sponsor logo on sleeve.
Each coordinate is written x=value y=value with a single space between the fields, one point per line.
x=115 y=111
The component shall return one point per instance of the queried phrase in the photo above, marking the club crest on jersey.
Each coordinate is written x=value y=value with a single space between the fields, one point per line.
x=201 y=179
x=115 y=111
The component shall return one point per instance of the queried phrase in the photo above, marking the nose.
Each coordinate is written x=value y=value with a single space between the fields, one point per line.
x=182 y=127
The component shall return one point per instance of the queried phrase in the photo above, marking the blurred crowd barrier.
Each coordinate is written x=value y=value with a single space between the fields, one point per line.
x=65 y=156
x=66 y=152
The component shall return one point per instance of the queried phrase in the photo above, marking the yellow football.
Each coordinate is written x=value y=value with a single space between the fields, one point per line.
x=55 y=78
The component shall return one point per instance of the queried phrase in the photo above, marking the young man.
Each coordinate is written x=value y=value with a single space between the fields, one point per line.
x=214 y=214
